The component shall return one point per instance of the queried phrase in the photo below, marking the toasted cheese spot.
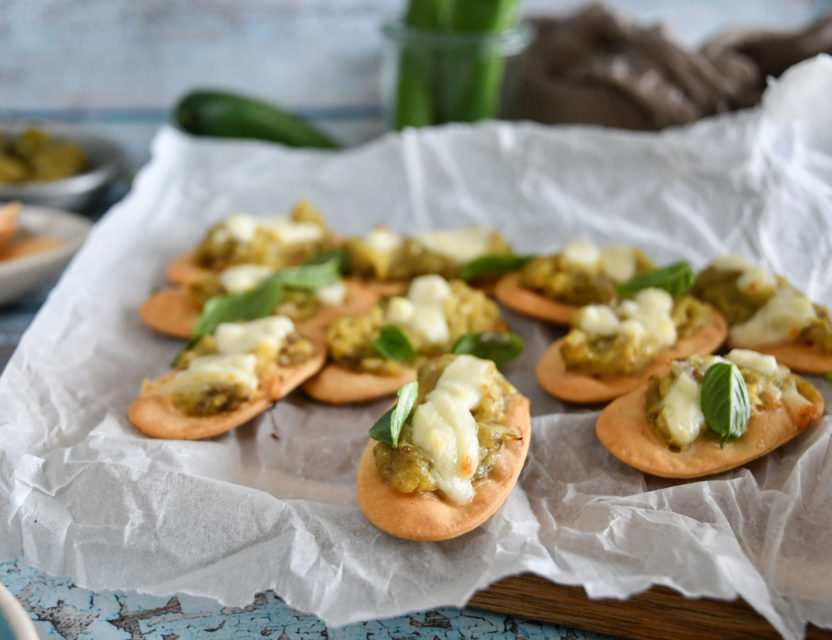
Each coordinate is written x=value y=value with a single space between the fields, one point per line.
x=444 y=427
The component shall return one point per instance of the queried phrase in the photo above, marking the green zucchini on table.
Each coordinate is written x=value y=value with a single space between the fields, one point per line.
x=229 y=115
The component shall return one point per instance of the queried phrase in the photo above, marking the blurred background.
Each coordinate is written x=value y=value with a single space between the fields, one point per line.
x=118 y=66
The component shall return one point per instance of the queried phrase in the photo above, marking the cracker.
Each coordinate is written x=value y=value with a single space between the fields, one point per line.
x=575 y=386
x=530 y=303
x=184 y=269
x=154 y=414
x=9 y=214
x=624 y=430
x=339 y=385
x=427 y=517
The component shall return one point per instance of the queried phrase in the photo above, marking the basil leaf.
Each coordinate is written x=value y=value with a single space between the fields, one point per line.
x=262 y=300
x=190 y=343
x=677 y=279
x=724 y=401
x=389 y=426
x=491 y=264
x=393 y=343
x=338 y=255
x=499 y=346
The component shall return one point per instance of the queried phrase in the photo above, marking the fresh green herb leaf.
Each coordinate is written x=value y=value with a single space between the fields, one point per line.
x=676 y=279
x=724 y=401
x=389 y=426
x=339 y=255
x=393 y=343
x=189 y=344
x=827 y=377
x=491 y=264
x=262 y=300
x=499 y=346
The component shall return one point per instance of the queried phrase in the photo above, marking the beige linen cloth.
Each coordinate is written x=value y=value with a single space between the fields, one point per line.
x=599 y=68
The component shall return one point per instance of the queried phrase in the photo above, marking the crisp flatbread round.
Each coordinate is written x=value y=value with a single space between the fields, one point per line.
x=184 y=269
x=624 y=430
x=154 y=414
x=797 y=357
x=8 y=221
x=530 y=303
x=427 y=517
x=174 y=313
x=575 y=386
x=339 y=385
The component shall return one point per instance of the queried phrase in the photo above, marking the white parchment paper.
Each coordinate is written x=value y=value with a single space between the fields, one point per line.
x=273 y=504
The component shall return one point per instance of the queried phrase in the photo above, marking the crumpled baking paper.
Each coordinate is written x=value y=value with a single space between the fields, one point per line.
x=273 y=504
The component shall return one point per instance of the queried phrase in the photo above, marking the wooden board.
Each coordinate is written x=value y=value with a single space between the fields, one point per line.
x=656 y=614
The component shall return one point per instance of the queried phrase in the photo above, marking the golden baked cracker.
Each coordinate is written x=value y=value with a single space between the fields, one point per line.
x=798 y=357
x=339 y=385
x=624 y=430
x=427 y=517
x=184 y=269
x=9 y=214
x=530 y=303
x=575 y=386
x=154 y=414
x=174 y=313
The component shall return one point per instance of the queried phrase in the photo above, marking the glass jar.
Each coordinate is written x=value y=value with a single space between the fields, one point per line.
x=431 y=77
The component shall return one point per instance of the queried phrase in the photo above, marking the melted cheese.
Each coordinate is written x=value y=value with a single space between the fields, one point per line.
x=645 y=315
x=243 y=277
x=764 y=364
x=242 y=228
x=461 y=245
x=383 y=239
x=683 y=411
x=245 y=337
x=205 y=370
x=445 y=429
x=752 y=278
x=423 y=310
x=781 y=319
x=581 y=253
x=618 y=263
x=331 y=294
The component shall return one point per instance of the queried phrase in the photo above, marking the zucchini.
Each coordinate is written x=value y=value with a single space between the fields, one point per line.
x=228 y=115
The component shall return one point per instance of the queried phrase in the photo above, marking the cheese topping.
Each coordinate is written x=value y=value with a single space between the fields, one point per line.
x=616 y=263
x=244 y=337
x=383 y=239
x=242 y=227
x=753 y=278
x=781 y=319
x=683 y=411
x=331 y=294
x=581 y=253
x=647 y=314
x=243 y=277
x=423 y=311
x=764 y=364
x=205 y=370
x=461 y=245
x=444 y=427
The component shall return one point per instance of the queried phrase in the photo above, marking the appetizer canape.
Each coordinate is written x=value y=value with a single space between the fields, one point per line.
x=9 y=214
x=613 y=349
x=440 y=468
x=709 y=414
x=388 y=261
x=553 y=288
x=175 y=311
x=767 y=314
x=373 y=354
x=225 y=379
x=274 y=242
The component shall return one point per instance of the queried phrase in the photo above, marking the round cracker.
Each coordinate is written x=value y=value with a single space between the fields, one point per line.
x=359 y=297
x=184 y=269
x=339 y=385
x=530 y=303
x=798 y=357
x=9 y=214
x=624 y=430
x=425 y=516
x=171 y=311
x=575 y=386
x=154 y=414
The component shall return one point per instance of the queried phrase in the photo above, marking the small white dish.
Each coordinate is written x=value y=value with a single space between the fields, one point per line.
x=20 y=275
x=15 y=623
